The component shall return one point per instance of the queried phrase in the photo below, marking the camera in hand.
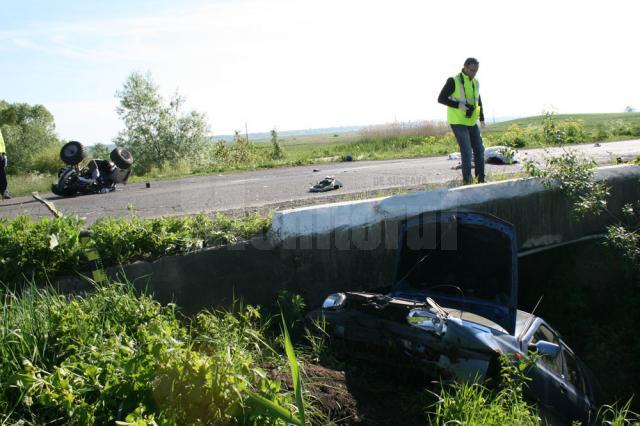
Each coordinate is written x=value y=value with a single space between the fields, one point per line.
x=470 y=110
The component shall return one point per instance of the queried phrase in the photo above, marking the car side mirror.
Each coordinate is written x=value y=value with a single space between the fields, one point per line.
x=545 y=348
x=426 y=320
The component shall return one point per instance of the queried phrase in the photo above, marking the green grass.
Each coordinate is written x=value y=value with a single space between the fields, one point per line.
x=114 y=356
x=26 y=184
x=316 y=140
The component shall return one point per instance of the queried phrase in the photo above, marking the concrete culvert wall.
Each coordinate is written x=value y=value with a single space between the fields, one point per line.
x=351 y=246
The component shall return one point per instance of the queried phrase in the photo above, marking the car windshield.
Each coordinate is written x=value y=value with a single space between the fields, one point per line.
x=477 y=264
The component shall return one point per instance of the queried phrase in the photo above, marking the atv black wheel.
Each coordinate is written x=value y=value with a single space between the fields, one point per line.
x=72 y=153
x=66 y=185
x=121 y=158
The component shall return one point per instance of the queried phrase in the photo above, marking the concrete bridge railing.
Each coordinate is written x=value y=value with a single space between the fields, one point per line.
x=318 y=250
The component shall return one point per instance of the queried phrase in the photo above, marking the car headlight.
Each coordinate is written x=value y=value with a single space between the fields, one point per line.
x=334 y=301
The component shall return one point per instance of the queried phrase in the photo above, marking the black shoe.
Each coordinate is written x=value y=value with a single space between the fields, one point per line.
x=6 y=195
x=326 y=184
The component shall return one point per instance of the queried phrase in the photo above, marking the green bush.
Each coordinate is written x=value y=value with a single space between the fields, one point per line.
x=556 y=132
x=519 y=137
x=37 y=250
x=34 y=250
x=113 y=356
x=99 y=151
x=603 y=132
x=619 y=128
x=572 y=131
x=47 y=160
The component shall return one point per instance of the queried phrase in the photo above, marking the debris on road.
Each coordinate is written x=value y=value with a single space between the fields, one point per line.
x=329 y=183
x=498 y=154
x=48 y=204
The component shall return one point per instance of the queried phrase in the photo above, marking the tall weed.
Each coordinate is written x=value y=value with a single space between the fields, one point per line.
x=474 y=404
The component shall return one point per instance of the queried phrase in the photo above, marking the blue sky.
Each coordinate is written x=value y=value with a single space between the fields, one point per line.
x=296 y=64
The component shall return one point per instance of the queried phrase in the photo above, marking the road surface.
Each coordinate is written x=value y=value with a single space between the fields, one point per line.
x=284 y=187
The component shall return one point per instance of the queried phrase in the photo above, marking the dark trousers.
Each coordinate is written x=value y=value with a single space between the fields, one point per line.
x=470 y=142
x=3 y=173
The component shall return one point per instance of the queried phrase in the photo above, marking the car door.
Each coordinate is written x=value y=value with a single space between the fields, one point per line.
x=577 y=388
x=548 y=384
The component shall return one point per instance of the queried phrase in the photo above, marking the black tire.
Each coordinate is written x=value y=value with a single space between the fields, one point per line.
x=72 y=153
x=65 y=186
x=121 y=158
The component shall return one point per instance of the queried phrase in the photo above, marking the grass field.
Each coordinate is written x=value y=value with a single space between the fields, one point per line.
x=26 y=184
x=591 y=121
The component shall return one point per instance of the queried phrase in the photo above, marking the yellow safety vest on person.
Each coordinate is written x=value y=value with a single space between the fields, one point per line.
x=2 y=148
x=466 y=92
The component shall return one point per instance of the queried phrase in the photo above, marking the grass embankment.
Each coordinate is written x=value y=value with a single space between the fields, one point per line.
x=40 y=250
x=392 y=141
x=117 y=357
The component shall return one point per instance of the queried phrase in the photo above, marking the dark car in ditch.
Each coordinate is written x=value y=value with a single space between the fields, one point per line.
x=452 y=311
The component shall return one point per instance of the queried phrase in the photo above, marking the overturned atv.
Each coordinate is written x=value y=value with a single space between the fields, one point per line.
x=96 y=177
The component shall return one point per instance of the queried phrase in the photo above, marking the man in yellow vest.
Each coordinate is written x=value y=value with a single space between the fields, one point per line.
x=3 y=174
x=461 y=95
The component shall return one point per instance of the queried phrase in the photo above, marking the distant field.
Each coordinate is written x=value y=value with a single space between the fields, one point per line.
x=383 y=143
x=318 y=139
x=591 y=121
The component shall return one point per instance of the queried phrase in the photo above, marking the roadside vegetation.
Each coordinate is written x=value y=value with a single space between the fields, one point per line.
x=114 y=357
x=41 y=250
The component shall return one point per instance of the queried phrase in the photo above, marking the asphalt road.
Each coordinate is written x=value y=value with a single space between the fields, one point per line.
x=284 y=187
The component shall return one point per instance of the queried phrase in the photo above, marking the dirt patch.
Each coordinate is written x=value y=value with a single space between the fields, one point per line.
x=364 y=394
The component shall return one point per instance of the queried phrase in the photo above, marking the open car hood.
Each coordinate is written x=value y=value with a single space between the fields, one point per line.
x=463 y=260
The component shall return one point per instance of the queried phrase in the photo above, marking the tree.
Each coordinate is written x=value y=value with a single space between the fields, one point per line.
x=100 y=151
x=629 y=108
x=157 y=132
x=31 y=141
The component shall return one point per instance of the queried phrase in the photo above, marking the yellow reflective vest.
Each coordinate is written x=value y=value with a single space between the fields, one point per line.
x=466 y=92
x=2 y=148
